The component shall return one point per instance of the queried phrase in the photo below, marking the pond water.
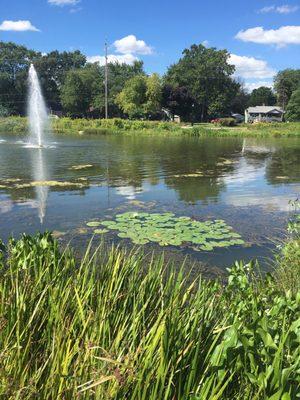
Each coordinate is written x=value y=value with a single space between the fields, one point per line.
x=246 y=182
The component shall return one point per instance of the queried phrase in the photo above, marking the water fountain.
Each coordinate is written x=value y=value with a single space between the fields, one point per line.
x=37 y=111
x=39 y=126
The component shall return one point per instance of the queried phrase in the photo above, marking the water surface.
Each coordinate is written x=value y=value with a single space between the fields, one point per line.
x=246 y=182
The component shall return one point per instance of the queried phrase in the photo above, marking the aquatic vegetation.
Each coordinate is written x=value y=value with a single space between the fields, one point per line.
x=18 y=184
x=115 y=324
x=93 y=223
x=100 y=231
x=168 y=230
x=79 y=167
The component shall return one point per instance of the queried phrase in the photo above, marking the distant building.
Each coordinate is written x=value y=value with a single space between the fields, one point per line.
x=239 y=118
x=264 y=114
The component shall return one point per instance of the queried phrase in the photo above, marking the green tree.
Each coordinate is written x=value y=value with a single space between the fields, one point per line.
x=153 y=94
x=52 y=69
x=118 y=75
x=78 y=90
x=14 y=64
x=241 y=101
x=293 y=107
x=285 y=83
x=141 y=96
x=177 y=100
x=262 y=96
x=133 y=97
x=206 y=73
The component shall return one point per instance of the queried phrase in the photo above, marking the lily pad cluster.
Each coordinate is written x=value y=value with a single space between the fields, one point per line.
x=167 y=229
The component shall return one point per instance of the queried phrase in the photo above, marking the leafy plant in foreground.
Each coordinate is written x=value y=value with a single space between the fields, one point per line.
x=117 y=325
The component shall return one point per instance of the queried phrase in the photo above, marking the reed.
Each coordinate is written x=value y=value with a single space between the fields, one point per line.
x=119 y=325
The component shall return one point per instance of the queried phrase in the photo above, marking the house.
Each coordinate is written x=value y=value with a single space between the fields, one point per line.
x=264 y=114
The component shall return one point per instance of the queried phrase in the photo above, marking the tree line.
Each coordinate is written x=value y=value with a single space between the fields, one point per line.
x=199 y=87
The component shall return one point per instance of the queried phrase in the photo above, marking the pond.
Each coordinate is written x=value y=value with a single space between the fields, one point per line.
x=247 y=183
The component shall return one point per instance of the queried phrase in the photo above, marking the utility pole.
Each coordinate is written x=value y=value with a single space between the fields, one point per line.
x=106 y=82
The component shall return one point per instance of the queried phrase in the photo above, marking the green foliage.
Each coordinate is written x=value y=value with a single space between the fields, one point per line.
x=285 y=83
x=14 y=64
x=153 y=94
x=166 y=229
x=206 y=73
x=227 y=121
x=4 y=111
x=287 y=273
x=133 y=97
x=262 y=96
x=141 y=96
x=52 y=67
x=293 y=107
x=79 y=89
x=119 y=74
x=119 y=325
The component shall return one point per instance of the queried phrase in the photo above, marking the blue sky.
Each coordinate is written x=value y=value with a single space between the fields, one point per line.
x=262 y=36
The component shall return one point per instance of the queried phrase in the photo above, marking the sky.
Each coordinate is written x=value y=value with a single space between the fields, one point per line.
x=262 y=36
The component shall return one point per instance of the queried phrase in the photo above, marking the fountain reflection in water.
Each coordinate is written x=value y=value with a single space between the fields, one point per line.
x=39 y=127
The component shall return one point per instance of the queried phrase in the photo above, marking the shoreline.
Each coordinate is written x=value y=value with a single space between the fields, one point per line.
x=116 y=126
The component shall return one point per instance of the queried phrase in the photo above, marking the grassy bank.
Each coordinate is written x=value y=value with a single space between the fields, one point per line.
x=115 y=326
x=18 y=125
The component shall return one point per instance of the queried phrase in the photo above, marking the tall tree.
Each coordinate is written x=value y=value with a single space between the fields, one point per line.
x=132 y=99
x=14 y=64
x=262 y=96
x=141 y=96
x=293 y=107
x=118 y=75
x=285 y=83
x=178 y=101
x=206 y=73
x=78 y=90
x=241 y=100
x=52 y=69
x=153 y=94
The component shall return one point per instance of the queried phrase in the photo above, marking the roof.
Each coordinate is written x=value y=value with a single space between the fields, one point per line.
x=265 y=109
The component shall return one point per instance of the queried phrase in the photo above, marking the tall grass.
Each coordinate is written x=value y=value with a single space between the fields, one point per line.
x=118 y=325
x=18 y=125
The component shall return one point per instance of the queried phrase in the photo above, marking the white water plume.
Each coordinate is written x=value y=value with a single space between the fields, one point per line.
x=37 y=111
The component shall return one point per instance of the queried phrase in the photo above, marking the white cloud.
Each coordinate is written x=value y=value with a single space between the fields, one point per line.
x=205 y=43
x=18 y=26
x=113 y=58
x=255 y=85
x=131 y=45
x=284 y=9
x=279 y=37
x=63 y=2
x=250 y=67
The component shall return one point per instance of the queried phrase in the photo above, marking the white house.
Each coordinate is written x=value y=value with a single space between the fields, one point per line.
x=264 y=114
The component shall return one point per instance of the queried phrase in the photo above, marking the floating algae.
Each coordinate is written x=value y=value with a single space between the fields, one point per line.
x=168 y=230
x=49 y=184
x=79 y=167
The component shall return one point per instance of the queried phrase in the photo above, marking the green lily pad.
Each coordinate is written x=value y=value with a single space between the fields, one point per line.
x=93 y=224
x=167 y=229
x=101 y=231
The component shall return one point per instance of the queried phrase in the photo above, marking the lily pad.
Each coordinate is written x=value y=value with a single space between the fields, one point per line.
x=92 y=224
x=166 y=229
x=101 y=231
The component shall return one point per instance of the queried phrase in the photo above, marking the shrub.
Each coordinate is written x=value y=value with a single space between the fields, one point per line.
x=227 y=121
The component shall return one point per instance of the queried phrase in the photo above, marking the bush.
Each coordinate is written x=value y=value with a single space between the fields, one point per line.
x=227 y=122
